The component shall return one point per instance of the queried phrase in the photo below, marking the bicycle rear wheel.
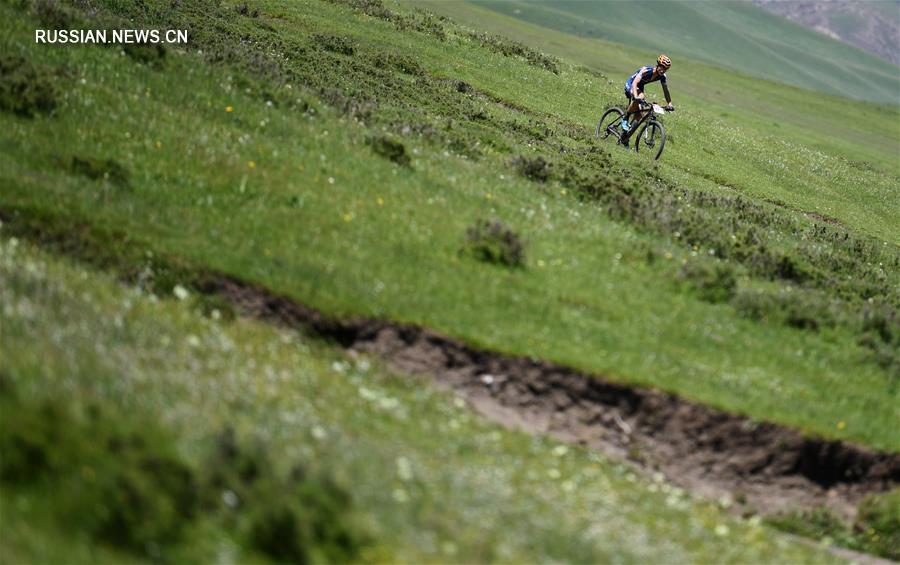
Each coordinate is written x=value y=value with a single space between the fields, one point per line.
x=651 y=138
x=609 y=123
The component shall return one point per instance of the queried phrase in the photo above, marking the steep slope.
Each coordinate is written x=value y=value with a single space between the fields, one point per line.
x=735 y=36
x=242 y=402
x=631 y=270
x=368 y=161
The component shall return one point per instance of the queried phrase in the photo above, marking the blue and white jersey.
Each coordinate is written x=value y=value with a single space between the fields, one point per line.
x=644 y=76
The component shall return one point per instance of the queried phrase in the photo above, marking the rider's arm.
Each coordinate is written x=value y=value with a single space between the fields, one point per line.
x=666 y=93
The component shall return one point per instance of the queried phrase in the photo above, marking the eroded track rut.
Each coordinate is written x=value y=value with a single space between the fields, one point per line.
x=760 y=467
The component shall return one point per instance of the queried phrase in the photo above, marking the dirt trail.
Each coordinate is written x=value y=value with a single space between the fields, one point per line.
x=760 y=467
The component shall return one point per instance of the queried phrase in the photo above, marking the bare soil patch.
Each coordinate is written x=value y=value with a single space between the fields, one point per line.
x=760 y=467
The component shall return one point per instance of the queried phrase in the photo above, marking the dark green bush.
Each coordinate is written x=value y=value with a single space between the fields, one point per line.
x=152 y=54
x=537 y=168
x=24 y=89
x=397 y=61
x=390 y=149
x=101 y=169
x=301 y=517
x=334 y=43
x=245 y=10
x=493 y=242
x=54 y=15
x=117 y=479
x=142 y=493
x=880 y=332
x=794 y=306
x=510 y=48
x=36 y=442
x=374 y=8
x=713 y=281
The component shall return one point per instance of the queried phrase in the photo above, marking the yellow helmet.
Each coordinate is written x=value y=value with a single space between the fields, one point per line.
x=664 y=62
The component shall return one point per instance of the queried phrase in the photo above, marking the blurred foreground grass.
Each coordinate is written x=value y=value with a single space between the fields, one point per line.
x=427 y=480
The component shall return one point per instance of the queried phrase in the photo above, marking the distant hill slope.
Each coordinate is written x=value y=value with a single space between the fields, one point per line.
x=729 y=34
x=873 y=25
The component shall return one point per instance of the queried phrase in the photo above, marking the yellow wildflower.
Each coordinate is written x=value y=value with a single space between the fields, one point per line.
x=251 y=164
x=229 y=109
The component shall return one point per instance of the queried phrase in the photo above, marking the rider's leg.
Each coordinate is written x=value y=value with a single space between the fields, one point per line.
x=633 y=107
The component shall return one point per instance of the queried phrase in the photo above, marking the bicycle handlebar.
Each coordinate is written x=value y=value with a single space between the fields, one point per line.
x=644 y=102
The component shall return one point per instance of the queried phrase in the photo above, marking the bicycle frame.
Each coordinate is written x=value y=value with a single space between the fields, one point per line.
x=648 y=114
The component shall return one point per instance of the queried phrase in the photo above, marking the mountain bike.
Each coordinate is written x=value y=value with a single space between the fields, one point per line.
x=649 y=133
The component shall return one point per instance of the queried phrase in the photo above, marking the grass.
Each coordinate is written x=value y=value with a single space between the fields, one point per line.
x=425 y=479
x=756 y=106
x=279 y=183
x=735 y=36
x=876 y=529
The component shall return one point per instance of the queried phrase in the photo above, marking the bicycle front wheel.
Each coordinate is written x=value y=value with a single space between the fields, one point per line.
x=609 y=123
x=651 y=139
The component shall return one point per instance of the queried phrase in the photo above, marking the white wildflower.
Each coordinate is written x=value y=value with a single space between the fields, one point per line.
x=180 y=292
x=404 y=469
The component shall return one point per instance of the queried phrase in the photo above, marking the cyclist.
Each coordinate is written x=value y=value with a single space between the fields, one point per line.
x=634 y=90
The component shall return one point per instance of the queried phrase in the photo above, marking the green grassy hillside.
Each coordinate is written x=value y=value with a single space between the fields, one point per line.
x=275 y=185
x=832 y=124
x=347 y=155
x=735 y=36
x=425 y=481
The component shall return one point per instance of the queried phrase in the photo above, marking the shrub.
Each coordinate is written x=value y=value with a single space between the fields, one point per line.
x=511 y=48
x=34 y=442
x=462 y=86
x=116 y=478
x=713 y=281
x=152 y=54
x=880 y=327
x=374 y=8
x=53 y=15
x=423 y=22
x=794 y=306
x=100 y=169
x=398 y=61
x=24 y=89
x=143 y=493
x=535 y=169
x=390 y=149
x=494 y=242
x=334 y=43
x=244 y=10
x=300 y=517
